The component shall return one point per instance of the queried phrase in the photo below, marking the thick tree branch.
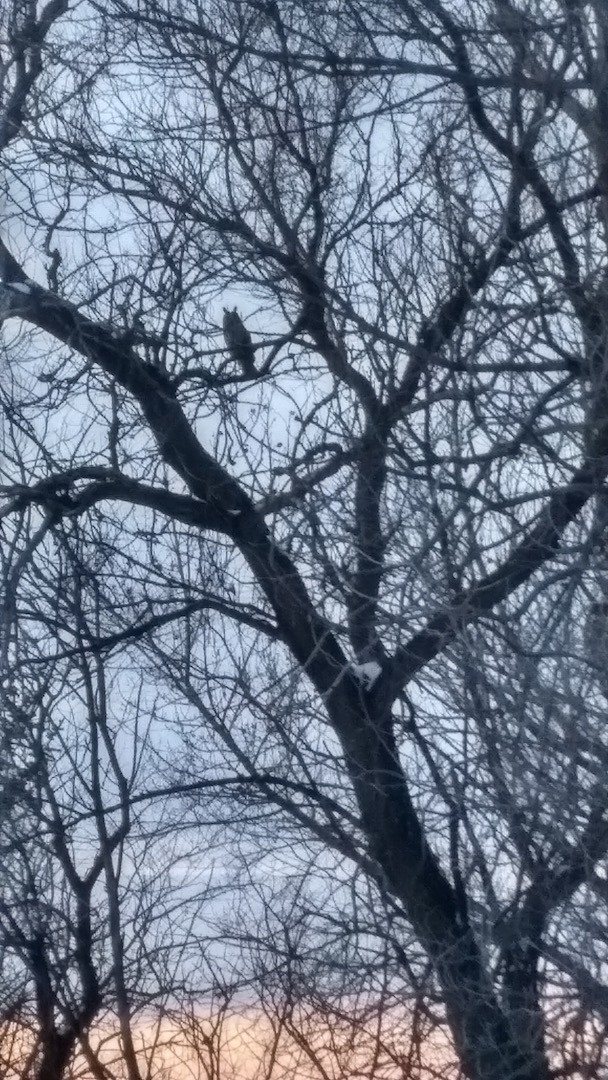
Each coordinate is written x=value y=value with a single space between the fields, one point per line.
x=540 y=545
x=27 y=36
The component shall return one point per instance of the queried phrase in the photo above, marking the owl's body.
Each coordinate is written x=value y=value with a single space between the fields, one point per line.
x=238 y=342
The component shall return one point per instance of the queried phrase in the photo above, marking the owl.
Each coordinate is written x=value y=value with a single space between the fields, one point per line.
x=238 y=342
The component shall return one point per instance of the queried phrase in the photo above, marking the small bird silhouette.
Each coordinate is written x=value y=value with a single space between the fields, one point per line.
x=238 y=342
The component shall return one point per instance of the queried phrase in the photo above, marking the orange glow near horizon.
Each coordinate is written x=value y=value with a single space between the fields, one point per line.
x=249 y=1046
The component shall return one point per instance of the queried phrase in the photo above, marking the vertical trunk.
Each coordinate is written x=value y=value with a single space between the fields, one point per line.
x=57 y=1049
x=487 y=1037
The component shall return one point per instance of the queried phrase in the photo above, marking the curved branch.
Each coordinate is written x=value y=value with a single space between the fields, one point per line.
x=538 y=547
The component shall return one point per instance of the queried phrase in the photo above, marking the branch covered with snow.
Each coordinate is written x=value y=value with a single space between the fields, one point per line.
x=367 y=674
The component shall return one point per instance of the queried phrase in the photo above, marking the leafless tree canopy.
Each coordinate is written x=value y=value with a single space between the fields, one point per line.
x=304 y=641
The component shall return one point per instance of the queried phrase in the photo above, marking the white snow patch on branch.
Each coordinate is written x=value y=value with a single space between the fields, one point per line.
x=367 y=674
x=20 y=286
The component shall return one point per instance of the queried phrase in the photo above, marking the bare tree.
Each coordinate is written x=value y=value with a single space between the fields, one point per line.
x=95 y=910
x=356 y=584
